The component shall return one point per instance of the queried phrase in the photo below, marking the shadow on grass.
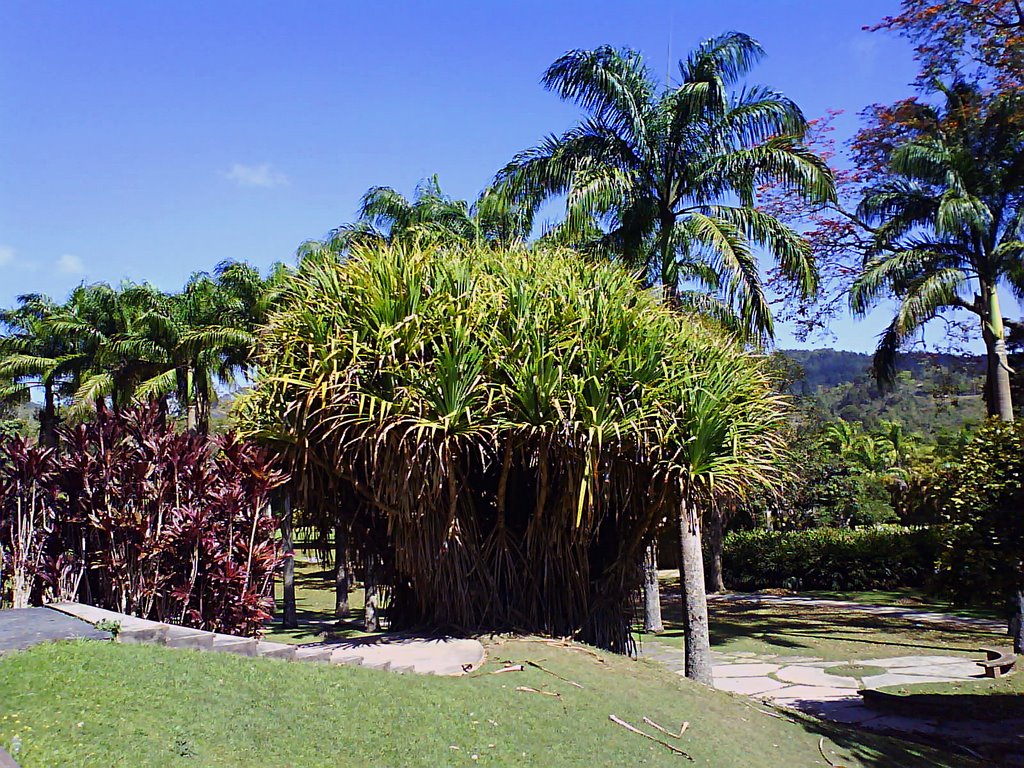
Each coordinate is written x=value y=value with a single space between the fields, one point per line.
x=808 y=628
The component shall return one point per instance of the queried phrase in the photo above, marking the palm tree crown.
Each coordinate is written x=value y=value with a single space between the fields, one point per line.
x=949 y=222
x=665 y=178
x=431 y=217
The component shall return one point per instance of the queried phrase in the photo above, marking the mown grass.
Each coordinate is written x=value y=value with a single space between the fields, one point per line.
x=103 y=704
x=314 y=603
x=830 y=633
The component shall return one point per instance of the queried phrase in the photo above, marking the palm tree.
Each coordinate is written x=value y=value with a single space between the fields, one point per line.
x=32 y=356
x=207 y=334
x=109 y=353
x=950 y=228
x=385 y=215
x=665 y=178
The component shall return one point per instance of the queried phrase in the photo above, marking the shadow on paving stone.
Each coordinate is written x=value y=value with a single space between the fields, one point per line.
x=21 y=628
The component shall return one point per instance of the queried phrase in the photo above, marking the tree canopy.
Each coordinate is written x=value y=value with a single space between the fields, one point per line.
x=506 y=428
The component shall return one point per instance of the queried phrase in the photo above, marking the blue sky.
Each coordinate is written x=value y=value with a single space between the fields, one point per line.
x=148 y=140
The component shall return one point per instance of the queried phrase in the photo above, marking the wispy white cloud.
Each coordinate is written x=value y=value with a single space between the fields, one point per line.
x=263 y=175
x=6 y=255
x=69 y=264
x=865 y=51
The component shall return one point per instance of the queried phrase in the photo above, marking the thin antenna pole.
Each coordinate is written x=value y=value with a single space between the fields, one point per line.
x=668 y=49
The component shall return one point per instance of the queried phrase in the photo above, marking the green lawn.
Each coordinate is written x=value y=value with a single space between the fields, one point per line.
x=104 y=704
x=907 y=597
x=314 y=602
x=829 y=633
x=967 y=699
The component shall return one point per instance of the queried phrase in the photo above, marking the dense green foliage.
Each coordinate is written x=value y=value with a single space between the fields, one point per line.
x=134 y=342
x=506 y=429
x=931 y=394
x=829 y=558
x=982 y=495
x=664 y=177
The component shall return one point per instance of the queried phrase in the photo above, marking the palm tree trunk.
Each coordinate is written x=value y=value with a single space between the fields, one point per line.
x=371 y=621
x=997 y=384
x=652 y=591
x=341 y=573
x=1017 y=622
x=694 y=598
x=290 y=619
x=48 y=418
x=714 y=539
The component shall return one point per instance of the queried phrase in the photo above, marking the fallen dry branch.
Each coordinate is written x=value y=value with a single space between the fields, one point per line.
x=821 y=748
x=510 y=668
x=528 y=689
x=682 y=728
x=632 y=729
x=575 y=647
x=554 y=674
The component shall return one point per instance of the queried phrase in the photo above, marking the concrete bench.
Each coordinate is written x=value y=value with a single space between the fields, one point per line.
x=998 y=663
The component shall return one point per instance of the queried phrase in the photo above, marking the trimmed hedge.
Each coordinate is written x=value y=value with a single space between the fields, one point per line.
x=836 y=559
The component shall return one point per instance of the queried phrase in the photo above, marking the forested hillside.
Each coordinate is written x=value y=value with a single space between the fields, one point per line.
x=933 y=392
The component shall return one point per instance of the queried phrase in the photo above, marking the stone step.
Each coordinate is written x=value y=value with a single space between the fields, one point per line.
x=350 y=661
x=155 y=634
x=383 y=666
x=242 y=646
x=404 y=670
x=319 y=655
x=183 y=637
x=267 y=649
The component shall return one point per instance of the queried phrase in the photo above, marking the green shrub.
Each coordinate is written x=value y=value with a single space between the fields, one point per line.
x=838 y=559
x=982 y=496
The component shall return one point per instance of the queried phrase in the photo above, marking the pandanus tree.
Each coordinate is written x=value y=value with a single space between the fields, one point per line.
x=664 y=178
x=505 y=429
x=948 y=220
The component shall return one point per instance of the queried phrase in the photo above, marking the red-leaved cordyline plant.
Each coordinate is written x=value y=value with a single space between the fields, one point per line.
x=27 y=521
x=142 y=520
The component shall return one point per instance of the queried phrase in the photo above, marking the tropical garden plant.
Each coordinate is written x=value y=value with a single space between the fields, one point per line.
x=665 y=177
x=505 y=430
x=948 y=225
x=129 y=515
x=982 y=495
x=431 y=217
x=108 y=345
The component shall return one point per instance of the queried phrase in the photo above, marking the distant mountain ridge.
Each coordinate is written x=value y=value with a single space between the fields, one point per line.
x=933 y=392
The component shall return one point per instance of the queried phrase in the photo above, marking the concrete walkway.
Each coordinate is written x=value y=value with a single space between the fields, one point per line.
x=830 y=689
x=22 y=628
x=397 y=653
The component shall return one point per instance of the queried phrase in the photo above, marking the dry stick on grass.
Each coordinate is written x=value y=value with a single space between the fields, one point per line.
x=574 y=647
x=821 y=748
x=682 y=728
x=510 y=668
x=553 y=674
x=616 y=719
x=528 y=689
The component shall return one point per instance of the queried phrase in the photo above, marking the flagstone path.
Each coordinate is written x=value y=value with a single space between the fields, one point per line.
x=809 y=684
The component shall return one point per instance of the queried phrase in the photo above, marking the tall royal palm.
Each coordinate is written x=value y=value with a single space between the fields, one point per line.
x=950 y=228
x=665 y=177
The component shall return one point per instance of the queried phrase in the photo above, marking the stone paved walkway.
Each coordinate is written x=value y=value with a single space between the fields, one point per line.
x=22 y=628
x=829 y=689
